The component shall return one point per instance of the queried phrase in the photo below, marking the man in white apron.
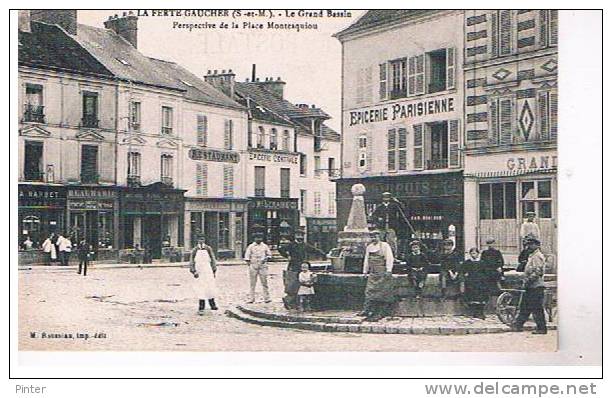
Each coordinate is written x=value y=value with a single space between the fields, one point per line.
x=203 y=266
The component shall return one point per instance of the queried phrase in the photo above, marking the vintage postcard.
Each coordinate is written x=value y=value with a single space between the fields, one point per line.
x=288 y=180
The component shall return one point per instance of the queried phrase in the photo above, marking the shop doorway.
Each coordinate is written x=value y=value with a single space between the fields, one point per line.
x=152 y=234
x=84 y=225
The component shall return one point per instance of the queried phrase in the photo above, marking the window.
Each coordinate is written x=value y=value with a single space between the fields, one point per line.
x=497 y=201
x=303 y=197
x=202 y=127
x=34 y=110
x=135 y=116
x=303 y=165
x=547 y=115
x=90 y=109
x=285 y=181
x=106 y=232
x=228 y=137
x=89 y=164
x=331 y=204
x=317 y=166
x=437 y=71
x=167 y=120
x=224 y=231
x=273 y=139
x=260 y=181
x=260 y=137
x=166 y=169
x=382 y=74
x=331 y=167
x=363 y=142
x=536 y=196
x=396 y=149
x=317 y=203
x=133 y=164
x=501 y=120
x=397 y=70
x=286 y=140
x=228 y=181
x=201 y=179
x=416 y=75
x=195 y=221
x=362 y=159
x=502 y=32
x=33 y=161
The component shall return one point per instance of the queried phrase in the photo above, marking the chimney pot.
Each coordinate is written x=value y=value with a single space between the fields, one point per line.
x=247 y=79
x=124 y=14
x=215 y=72
x=229 y=71
x=116 y=16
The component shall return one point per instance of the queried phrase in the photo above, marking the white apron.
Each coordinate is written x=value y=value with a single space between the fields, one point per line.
x=205 y=286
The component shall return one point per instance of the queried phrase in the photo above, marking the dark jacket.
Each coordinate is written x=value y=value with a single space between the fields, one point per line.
x=492 y=259
x=450 y=261
x=297 y=253
x=390 y=216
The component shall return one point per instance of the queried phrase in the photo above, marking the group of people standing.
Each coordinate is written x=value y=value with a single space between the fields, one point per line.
x=58 y=247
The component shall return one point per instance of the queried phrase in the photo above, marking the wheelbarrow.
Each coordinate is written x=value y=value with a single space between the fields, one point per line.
x=509 y=303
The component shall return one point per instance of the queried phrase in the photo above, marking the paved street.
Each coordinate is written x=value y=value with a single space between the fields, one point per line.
x=155 y=309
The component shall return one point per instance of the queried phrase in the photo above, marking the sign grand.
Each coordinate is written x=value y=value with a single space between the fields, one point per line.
x=402 y=110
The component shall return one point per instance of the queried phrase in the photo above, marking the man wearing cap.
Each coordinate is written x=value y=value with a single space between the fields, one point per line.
x=533 y=298
x=417 y=263
x=380 y=288
x=256 y=256
x=493 y=262
x=297 y=253
x=203 y=266
x=388 y=218
x=450 y=264
x=529 y=226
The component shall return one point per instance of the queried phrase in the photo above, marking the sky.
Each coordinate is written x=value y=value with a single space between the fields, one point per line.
x=309 y=61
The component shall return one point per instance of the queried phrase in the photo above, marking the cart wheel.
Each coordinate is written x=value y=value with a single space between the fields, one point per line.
x=506 y=308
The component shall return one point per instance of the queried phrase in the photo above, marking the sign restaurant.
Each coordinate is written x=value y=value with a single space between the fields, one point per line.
x=402 y=110
x=213 y=155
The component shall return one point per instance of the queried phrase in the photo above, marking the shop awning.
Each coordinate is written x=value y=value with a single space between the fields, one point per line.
x=509 y=173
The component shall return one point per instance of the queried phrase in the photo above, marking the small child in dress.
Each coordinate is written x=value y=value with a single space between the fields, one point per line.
x=306 y=290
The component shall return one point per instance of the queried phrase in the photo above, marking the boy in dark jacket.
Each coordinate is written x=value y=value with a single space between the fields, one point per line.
x=416 y=263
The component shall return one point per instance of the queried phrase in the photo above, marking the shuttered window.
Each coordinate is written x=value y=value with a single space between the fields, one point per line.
x=317 y=203
x=548 y=25
x=331 y=204
x=547 y=115
x=391 y=148
x=397 y=70
x=382 y=86
x=402 y=147
x=202 y=127
x=501 y=120
x=453 y=143
x=418 y=146
x=493 y=122
x=502 y=32
x=228 y=181
x=260 y=181
x=228 y=136
x=450 y=68
x=201 y=179
x=285 y=182
x=89 y=164
x=416 y=75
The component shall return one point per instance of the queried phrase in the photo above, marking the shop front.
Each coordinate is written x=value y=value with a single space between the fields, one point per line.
x=41 y=212
x=275 y=218
x=223 y=221
x=502 y=189
x=151 y=218
x=433 y=204
x=321 y=233
x=93 y=216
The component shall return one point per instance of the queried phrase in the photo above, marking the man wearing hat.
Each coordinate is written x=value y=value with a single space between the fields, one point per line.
x=450 y=264
x=256 y=256
x=493 y=263
x=529 y=226
x=533 y=298
x=417 y=263
x=388 y=218
x=203 y=266
x=297 y=252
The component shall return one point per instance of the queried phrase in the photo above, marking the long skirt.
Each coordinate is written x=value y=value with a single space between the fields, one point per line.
x=292 y=282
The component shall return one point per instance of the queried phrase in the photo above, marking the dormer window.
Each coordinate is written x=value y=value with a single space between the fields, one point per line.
x=123 y=61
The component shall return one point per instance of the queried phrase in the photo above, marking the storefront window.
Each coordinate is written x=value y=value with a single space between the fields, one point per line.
x=224 y=232
x=536 y=196
x=498 y=201
x=105 y=229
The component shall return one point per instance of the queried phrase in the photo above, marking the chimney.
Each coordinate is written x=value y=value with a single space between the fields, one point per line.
x=24 y=21
x=66 y=19
x=276 y=87
x=254 y=73
x=125 y=26
x=224 y=81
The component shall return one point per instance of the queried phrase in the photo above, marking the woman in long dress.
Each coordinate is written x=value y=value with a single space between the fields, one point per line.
x=380 y=288
x=203 y=266
x=476 y=287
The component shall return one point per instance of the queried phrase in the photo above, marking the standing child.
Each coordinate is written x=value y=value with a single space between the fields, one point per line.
x=306 y=290
x=476 y=287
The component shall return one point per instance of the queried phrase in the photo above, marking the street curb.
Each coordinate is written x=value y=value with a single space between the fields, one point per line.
x=118 y=266
x=310 y=323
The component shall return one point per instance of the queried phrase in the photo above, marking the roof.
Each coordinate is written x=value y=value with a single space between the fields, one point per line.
x=48 y=46
x=376 y=18
x=121 y=58
x=196 y=89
